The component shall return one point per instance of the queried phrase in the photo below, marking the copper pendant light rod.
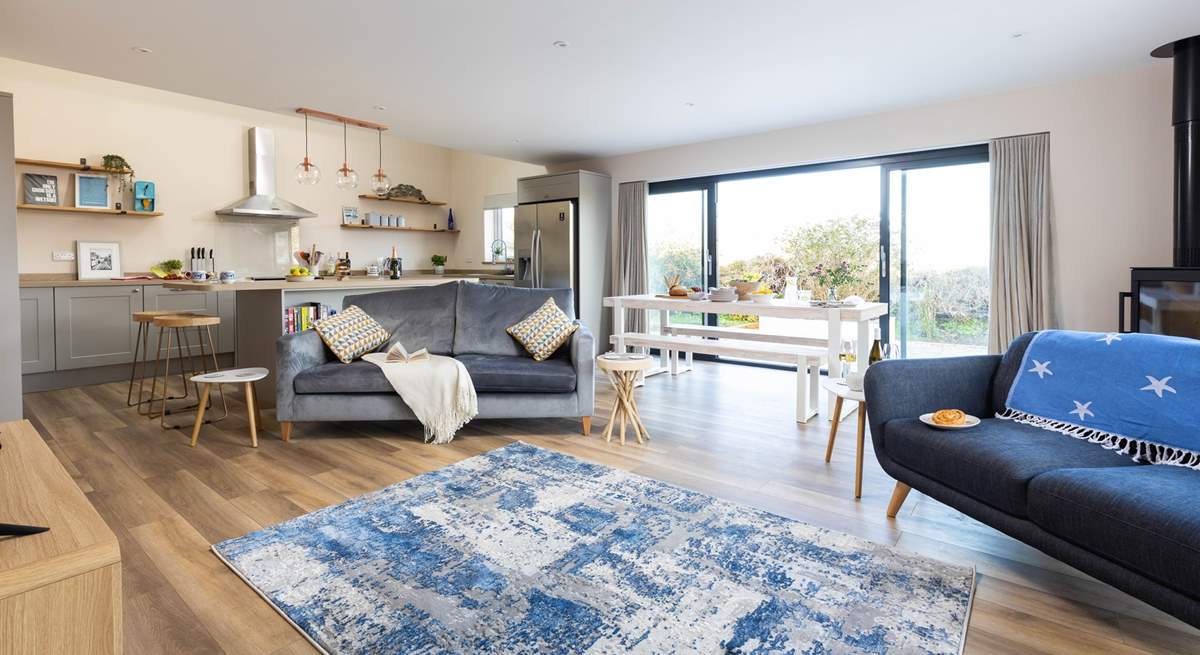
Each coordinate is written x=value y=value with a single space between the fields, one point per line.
x=338 y=118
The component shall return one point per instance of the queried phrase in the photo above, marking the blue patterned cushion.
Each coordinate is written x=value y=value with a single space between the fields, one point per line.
x=543 y=331
x=351 y=333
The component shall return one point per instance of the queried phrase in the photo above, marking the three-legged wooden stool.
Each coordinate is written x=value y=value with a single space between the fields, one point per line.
x=138 y=370
x=622 y=371
x=838 y=388
x=177 y=325
x=244 y=376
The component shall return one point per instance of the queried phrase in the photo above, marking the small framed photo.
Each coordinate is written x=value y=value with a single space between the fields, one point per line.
x=98 y=260
x=91 y=191
x=350 y=216
x=41 y=189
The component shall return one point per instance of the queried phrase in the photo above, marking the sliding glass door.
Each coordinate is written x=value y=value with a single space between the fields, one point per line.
x=912 y=229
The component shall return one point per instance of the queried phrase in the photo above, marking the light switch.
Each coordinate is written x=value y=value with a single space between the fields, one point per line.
x=62 y=256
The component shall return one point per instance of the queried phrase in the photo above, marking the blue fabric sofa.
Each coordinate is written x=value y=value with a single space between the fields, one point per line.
x=463 y=320
x=1133 y=526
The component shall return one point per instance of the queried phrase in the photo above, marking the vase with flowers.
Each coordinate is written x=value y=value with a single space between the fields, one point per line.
x=833 y=276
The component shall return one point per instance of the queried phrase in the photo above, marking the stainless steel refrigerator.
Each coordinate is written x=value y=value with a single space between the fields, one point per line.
x=545 y=235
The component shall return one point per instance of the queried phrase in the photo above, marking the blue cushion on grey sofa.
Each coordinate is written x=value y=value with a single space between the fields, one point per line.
x=485 y=311
x=519 y=374
x=994 y=462
x=1142 y=517
x=418 y=317
x=489 y=374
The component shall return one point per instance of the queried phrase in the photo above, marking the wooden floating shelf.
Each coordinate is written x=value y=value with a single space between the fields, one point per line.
x=69 y=166
x=353 y=226
x=411 y=201
x=86 y=210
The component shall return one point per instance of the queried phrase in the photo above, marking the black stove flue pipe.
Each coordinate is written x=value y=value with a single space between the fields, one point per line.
x=1185 y=115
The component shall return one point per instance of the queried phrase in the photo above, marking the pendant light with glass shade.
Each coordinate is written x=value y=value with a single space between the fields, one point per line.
x=380 y=183
x=306 y=171
x=346 y=178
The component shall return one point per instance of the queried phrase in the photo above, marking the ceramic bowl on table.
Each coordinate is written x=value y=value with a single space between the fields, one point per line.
x=696 y=295
x=724 y=294
x=744 y=288
x=301 y=278
x=762 y=298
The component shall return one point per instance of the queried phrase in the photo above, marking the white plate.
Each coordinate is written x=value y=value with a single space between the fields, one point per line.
x=971 y=422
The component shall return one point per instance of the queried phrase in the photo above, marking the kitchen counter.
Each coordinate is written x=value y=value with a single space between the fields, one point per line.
x=353 y=282
x=49 y=280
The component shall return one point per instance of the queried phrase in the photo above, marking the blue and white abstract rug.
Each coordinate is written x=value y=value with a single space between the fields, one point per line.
x=525 y=550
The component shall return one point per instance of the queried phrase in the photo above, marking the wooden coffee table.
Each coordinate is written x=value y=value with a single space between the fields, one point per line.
x=622 y=371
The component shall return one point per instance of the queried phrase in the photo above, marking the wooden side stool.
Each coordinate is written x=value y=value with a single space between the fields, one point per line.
x=623 y=371
x=141 y=346
x=243 y=376
x=839 y=389
x=177 y=325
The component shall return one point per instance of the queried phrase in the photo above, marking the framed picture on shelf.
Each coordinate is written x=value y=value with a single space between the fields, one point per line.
x=91 y=191
x=350 y=216
x=41 y=189
x=98 y=260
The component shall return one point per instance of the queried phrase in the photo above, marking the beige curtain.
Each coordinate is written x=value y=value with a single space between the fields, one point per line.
x=632 y=272
x=1021 y=214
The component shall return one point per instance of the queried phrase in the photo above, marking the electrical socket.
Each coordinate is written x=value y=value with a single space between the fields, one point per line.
x=62 y=256
x=468 y=260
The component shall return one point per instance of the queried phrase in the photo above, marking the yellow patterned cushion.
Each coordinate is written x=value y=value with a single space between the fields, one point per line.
x=543 y=331
x=351 y=333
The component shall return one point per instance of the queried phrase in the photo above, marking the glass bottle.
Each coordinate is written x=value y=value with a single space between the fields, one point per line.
x=876 y=349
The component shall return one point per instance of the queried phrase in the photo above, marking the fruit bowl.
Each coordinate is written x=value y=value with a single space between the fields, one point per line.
x=762 y=298
x=301 y=278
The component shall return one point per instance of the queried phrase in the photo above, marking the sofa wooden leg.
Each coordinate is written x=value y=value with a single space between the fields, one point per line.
x=898 y=496
x=587 y=426
x=285 y=430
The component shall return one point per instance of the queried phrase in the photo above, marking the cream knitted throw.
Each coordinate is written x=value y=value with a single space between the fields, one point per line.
x=438 y=391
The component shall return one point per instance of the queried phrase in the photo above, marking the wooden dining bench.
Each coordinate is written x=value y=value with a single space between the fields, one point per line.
x=806 y=359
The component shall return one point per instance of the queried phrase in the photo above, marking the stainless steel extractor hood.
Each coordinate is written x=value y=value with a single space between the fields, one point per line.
x=262 y=201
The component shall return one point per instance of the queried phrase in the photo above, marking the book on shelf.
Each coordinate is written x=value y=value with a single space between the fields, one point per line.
x=299 y=318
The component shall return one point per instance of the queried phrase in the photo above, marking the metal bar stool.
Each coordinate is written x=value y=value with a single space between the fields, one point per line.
x=177 y=326
x=141 y=346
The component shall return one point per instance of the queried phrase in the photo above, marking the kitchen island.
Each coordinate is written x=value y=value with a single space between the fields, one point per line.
x=261 y=306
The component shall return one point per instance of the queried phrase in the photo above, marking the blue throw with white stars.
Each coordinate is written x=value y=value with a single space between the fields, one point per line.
x=1136 y=393
x=525 y=550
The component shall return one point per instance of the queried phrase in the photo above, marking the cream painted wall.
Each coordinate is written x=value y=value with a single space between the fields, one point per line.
x=1111 y=154
x=195 y=150
x=473 y=176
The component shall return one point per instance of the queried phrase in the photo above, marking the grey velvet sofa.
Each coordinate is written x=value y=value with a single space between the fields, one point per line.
x=1131 y=525
x=464 y=320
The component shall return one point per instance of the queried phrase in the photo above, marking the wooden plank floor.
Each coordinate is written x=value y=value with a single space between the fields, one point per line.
x=723 y=430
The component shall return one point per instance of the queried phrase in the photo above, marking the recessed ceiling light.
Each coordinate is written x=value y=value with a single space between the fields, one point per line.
x=561 y=44
x=141 y=50
x=689 y=104
x=516 y=140
x=380 y=107
x=1016 y=35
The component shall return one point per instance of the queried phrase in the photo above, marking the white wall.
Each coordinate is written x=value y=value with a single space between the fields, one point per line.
x=195 y=150
x=1111 y=153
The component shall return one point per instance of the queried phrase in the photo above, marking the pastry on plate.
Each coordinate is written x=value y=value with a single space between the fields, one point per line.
x=949 y=417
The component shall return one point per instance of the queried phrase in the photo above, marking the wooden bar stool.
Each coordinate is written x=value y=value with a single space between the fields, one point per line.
x=244 y=376
x=177 y=326
x=839 y=389
x=623 y=371
x=141 y=346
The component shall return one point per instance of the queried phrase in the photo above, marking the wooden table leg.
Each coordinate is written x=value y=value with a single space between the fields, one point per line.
x=250 y=413
x=637 y=420
x=254 y=405
x=200 y=415
x=626 y=383
x=612 y=416
x=862 y=429
x=837 y=419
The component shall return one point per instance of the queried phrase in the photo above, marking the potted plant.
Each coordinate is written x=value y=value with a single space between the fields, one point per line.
x=498 y=252
x=439 y=264
x=123 y=171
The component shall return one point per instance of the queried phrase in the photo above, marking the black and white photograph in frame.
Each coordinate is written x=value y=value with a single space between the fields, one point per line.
x=98 y=260
x=41 y=189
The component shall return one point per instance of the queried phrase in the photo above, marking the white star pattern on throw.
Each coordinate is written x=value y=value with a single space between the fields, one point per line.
x=1109 y=338
x=1041 y=368
x=1082 y=410
x=1158 y=386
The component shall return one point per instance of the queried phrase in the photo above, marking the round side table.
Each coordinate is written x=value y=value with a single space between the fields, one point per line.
x=838 y=388
x=243 y=376
x=622 y=371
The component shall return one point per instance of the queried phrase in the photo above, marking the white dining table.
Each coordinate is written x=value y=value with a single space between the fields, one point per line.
x=861 y=315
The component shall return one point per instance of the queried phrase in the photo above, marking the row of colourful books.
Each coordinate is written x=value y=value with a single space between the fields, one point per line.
x=301 y=317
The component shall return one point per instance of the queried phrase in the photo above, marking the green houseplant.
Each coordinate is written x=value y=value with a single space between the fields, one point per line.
x=121 y=169
x=439 y=264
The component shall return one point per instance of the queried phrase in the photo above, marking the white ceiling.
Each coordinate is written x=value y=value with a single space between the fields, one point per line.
x=483 y=75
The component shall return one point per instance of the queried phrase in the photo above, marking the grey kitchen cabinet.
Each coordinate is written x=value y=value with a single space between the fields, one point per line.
x=93 y=326
x=37 y=330
x=200 y=301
